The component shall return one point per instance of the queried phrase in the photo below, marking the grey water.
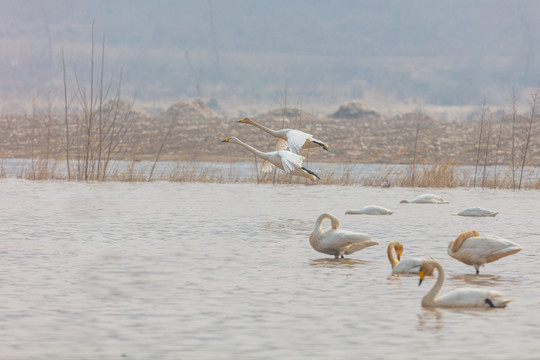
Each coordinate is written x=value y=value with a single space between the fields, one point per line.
x=167 y=270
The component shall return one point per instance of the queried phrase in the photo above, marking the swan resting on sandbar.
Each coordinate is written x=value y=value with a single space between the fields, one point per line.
x=459 y=298
x=287 y=161
x=407 y=266
x=335 y=241
x=370 y=210
x=472 y=249
x=293 y=139
x=426 y=199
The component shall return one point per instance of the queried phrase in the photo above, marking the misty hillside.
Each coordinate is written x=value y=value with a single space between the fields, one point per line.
x=240 y=51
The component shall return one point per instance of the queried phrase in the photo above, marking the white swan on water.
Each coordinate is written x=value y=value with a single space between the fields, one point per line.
x=407 y=266
x=287 y=161
x=463 y=297
x=293 y=139
x=370 y=210
x=472 y=249
x=335 y=241
x=477 y=212
x=427 y=199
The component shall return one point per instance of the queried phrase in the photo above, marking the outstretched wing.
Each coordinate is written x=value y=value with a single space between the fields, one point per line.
x=267 y=166
x=281 y=144
x=296 y=139
x=289 y=160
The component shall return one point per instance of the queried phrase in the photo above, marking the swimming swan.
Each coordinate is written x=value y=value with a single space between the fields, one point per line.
x=477 y=212
x=407 y=266
x=287 y=161
x=370 y=210
x=427 y=199
x=463 y=297
x=294 y=139
x=335 y=241
x=472 y=249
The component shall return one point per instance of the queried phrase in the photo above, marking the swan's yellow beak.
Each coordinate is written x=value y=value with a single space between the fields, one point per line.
x=399 y=255
x=226 y=140
x=243 y=120
x=335 y=227
x=421 y=275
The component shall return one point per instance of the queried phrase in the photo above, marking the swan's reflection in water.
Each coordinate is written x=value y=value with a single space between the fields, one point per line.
x=338 y=263
x=288 y=224
x=484 y=280
x=430 y=320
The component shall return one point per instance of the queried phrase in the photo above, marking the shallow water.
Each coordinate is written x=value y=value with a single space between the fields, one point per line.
x=211 y=271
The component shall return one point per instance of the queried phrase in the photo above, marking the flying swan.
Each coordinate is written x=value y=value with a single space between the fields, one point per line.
x=293 y=139
x=408 y=266
x=287 y=161
x=477 y=212
x=335 y=241
x=472 y=249
x=370 y=210
x=463 y=297
x=427 y=199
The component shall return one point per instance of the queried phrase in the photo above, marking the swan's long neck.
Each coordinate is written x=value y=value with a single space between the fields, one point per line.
x=456 y=244
x=252 y=149
x=264 y=128
x=390 y=251
x=333 y=220
x=429 y=298
x=316 y=236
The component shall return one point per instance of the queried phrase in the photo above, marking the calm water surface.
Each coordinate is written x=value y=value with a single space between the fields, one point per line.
x=210 y=271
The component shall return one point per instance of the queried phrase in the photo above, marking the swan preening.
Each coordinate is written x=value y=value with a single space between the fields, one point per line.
x=472 y=249
x=287 y=161
x=427 y=199
x=293 y=139
x=407 y=266
x=370 y=210
x=463 y=297
x=335 y=241
x=477 y=212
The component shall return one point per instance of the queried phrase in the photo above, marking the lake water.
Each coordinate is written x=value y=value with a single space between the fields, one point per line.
x=225 y=271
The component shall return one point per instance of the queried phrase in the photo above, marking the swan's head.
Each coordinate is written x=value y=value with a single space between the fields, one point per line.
x=231 y=139
x=399 y=252
x=427 y=268
x=398 y=248
x=246 y=121
x=404 y=201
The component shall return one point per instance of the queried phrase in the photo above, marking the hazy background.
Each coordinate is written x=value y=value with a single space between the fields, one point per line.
x=241 y=55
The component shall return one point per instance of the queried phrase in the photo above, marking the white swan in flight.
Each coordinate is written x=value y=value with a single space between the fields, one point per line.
x=463 y=297
x=472 y=249
x=370 y=210
x=477 y=212
x=427 y=199
x=335 y=241
x=287 y=161
x=293 y=139
x=407 y=266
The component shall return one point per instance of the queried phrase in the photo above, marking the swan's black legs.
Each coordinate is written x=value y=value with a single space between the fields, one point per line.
x=320 y=144
x=311 y=172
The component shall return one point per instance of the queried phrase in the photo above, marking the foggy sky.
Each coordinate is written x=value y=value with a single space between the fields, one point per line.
x=322 y=52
